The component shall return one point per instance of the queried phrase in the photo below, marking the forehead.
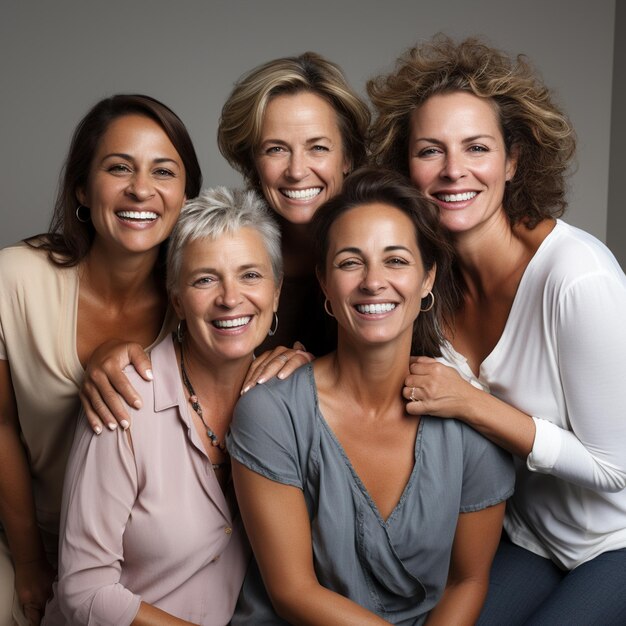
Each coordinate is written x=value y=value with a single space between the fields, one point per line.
x=455 y=110
x=375 y=224
x=303 y=110
x=243 y=247
x=135 y=130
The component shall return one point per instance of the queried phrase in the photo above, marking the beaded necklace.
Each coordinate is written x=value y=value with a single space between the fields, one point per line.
x=195 y=405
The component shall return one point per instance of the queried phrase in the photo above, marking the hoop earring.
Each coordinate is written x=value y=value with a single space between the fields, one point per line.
x=272 y=331
x=327 y=307
x=180 y=331
x=83 y=217
x=432 y=302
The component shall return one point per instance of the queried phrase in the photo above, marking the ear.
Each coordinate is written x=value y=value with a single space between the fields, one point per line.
x=347 y=166
x=81 y=196
x=322 y=281
x=429 y=280
x=277 y=294
x=511 y=163
x=176 y=303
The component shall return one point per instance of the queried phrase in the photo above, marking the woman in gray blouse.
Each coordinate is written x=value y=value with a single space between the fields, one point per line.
x=357 y=512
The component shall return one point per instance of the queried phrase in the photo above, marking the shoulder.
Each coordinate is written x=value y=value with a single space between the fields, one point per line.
x=286 y=397
x=488 y=470
x=15 y=259
x=569 y=254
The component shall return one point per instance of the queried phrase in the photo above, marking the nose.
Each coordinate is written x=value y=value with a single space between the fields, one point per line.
x=230 y=294
x=373 y=279
x=297 y=166
x=453 y=167
x=140 y=186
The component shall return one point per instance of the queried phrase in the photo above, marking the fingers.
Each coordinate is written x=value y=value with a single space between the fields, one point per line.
x=106 y=390
x=141 y=362
x=101 y=413
x=280 y=362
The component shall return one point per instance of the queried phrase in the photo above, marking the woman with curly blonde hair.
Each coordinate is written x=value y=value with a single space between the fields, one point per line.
x=538 y=323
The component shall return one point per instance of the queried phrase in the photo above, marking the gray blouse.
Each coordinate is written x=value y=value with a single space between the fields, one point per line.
x=396 y=568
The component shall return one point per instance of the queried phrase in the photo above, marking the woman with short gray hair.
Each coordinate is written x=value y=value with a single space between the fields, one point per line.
x=158 y=535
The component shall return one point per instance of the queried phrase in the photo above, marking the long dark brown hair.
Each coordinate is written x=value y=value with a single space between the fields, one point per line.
x=68 y=239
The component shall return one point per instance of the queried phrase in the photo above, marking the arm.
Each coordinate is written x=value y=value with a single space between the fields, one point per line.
x=104 y=380
x=475 y=543
x=280 y=362
x=440 y=390
x=585 y=444
x=149 y=615
x=284 y=554
x=95 y=512
x=33 y=574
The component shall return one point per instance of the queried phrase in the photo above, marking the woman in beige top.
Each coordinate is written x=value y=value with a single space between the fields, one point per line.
x=96 y=275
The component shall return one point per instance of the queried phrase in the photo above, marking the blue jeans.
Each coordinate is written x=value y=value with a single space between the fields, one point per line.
x=525 y=588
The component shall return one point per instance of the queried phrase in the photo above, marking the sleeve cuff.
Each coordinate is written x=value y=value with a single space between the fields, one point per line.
x=546 y=446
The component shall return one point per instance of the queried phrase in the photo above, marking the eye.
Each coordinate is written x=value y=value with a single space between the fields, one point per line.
x=274 y=150
x=118 y=168
x=428 y=152
x=203 y=282
x=396 y=261
x=319 y=148
x=478 y=148
x=251 y=277
x=163 y=172
x=349 y=264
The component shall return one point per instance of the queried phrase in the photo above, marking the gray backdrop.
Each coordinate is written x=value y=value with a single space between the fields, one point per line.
x=58 y=58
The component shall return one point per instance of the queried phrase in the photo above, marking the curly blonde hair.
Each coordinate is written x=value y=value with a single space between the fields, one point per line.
x=532 y=125
x=241 y=121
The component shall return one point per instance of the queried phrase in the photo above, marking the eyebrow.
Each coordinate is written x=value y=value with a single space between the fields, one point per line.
x=128 y=157
x=240 y=268
x=284 y=143
x=354 y=250
x=466 y=140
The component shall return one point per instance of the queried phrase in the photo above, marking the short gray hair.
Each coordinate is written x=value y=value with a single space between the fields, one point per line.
x=218 y=211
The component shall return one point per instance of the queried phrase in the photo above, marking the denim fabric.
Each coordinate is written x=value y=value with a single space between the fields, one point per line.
x=528 y=589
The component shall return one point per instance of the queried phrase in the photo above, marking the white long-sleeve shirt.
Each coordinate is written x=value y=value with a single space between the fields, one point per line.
x=562 y=359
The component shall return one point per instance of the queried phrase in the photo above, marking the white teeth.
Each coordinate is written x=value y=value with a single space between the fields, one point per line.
x=457 y=197
x=137 y=215
x=302 y=194
x=375 y=308
x=236 y=323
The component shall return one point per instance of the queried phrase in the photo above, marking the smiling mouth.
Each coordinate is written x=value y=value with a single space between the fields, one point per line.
x=237 y=322
x=301 y=194
x=456 y=197
x=375 y=309
x=137 y=216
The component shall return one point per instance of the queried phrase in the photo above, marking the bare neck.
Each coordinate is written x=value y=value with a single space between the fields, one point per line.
x=221 y=382
x=119 y=277
x=493 y=259
x=369 y=376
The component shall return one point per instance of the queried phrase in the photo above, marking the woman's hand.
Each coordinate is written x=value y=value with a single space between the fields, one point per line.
x=33 y=586
x=105 y=382
x=281 y=362
x=433 y=388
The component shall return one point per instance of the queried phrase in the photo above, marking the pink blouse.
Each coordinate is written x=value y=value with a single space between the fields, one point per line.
x=144 y=517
